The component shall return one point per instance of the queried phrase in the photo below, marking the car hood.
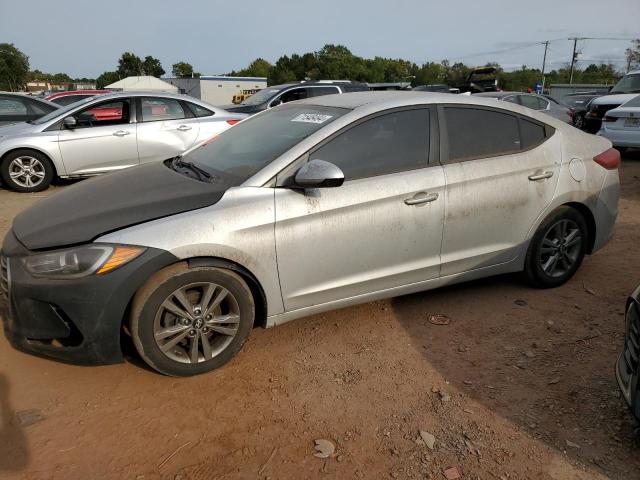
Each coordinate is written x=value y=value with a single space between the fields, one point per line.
x=80 y=213
x=16 y=129
x=616 y=99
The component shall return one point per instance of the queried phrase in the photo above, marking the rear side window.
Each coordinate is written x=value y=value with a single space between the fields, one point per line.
x=476 y=133
x=390 y=143
x=199 y=111
x=530 y=101
x=532 y=133
x=12 y=107
x=155 y=109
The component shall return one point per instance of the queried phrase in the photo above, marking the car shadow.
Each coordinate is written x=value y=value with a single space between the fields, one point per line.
x=542 y=359
x=14 y=449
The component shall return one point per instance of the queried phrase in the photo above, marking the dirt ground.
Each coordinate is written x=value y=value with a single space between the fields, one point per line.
x=510 y=390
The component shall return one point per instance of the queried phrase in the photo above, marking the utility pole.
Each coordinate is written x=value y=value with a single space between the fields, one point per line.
x=574 y=55
x=544 y=61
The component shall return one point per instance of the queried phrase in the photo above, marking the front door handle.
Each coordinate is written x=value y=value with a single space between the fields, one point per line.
x=121 y=133
x=421 y=197
x=184 y=128
x=540 y=176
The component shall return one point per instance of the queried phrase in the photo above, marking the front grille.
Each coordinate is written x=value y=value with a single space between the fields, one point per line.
x=628 y=366
x=5 y=279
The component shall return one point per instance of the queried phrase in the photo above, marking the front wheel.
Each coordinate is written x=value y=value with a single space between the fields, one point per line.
x=557 y=248
x=26 y=171
x=187 y=321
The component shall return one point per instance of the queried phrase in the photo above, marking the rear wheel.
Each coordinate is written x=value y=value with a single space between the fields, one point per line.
x=557 y=249
x=190 y=321
x=26 y=171
x=578 y=121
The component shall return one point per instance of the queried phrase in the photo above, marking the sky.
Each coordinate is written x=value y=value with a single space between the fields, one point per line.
x=84 y=40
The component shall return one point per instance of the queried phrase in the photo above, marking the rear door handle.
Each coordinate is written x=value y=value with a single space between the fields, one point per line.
x=121 y=133
x=184 y=128
x=421 y=197
x=540 y=176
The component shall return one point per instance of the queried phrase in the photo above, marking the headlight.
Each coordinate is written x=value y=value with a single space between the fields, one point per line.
x=80 y=261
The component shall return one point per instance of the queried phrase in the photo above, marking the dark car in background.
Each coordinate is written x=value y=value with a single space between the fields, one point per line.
x=579 y=103
x=481 y=79
x=623 y=91
x=627 y=364
x=533 y=101
x=16 y=108
x=437 y=87
x=288 y=92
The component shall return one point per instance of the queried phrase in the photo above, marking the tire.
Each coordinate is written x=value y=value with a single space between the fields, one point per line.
x=557 y=248
x=578 y=121
x=166 y=307
x=36 y=169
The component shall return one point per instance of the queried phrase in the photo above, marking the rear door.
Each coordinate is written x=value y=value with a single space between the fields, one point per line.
x=165 y=128
x=381 y=229
x=501 y=171
x=104 y=139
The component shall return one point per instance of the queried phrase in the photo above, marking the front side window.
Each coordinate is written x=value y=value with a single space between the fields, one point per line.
x=477 y=133
x=249 y=146
x=155 y=109
x=390 y=143
x=115 y=112
x=294 y=94
x=320 y=91
x=10 y=107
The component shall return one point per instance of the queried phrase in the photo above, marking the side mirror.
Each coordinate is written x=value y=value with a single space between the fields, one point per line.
x=277 y=102
x=319 y=174
x=70 y=123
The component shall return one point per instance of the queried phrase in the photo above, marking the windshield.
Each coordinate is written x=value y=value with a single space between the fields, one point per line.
x=59 y=112
x=261 y=96
x=628 y=84
x=246 y=148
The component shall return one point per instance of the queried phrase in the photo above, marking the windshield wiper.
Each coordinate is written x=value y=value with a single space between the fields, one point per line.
x=202 y=174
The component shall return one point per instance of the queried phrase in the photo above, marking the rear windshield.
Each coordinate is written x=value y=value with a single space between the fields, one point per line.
x=247 y=147
x=634 y=102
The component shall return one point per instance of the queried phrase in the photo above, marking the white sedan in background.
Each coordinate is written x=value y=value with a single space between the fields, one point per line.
x=622 y=125
x=105 y=133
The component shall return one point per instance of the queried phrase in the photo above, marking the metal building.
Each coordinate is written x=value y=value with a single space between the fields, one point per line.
x=218 y=90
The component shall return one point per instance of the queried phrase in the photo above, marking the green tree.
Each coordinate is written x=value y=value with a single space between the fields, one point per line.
x=14 y=67
x=633 y=55
x=182 y=69
x=107 y=78
x=152 y=66
x=130 y=65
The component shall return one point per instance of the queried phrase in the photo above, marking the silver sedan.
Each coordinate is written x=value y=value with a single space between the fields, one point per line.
x=306 y=207
x=105 y=133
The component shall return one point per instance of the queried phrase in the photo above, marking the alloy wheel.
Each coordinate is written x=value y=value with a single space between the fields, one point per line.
x=26 y=171
x=196 y=322
x=561 y=248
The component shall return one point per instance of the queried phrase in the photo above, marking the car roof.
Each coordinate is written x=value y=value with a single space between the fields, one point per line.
x=386 y=99
x=500 y=94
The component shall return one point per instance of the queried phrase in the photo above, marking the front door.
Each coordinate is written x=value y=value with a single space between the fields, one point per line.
x=501 y=172
x=165 y=129
x=381 y=229
x=103 y=140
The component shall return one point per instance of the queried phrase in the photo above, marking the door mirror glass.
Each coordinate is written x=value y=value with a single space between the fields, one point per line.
x=70 y=123
x=319 y=174
x=277 y=102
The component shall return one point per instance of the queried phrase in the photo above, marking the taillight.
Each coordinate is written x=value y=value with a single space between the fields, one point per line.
x=609 y=159
x=609 y=119
x=570 y=112
x=232 y=122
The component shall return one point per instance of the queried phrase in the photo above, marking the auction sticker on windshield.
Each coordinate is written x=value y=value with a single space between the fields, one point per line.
x=311 y=118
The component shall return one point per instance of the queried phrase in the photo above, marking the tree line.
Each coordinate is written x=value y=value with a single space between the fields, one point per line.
x=330 y=62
